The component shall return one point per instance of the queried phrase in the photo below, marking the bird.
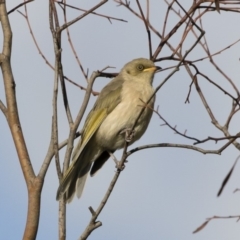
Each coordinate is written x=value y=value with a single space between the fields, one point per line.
x=113 y=114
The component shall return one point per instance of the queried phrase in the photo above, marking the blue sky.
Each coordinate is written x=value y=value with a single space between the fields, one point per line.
x=163 y=193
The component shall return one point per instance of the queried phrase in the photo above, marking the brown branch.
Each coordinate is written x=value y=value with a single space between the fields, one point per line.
x=94 y=93
x=173 y=128
x=236 y=10
x=236 y=100
x=217 y=5
x=215 y=217
x=216 y=66
x=166 y=18
x=105 y=68
x=189 y=92
x=216 y=53
x=192 y=138
x=34 y=185
x=55 y=122
x=107 y=75
x=43 y=56
x=19 y=5
x=58 y=58
x=192 y=29
x=223 y=90
x=223 y=129
x=226 y=179
x=71 y=44
x=217 y=139
x=3 y=109
x=126 y=5
x=233 y=111
x=188 y=28
x=93 y=223
x=236 y=190
x=217 y=125
x=207 y=51
x=205 y=47
x=147 y=29
x=225 y=75
x=94 y=13
x=176 y=27
x=174 y=145
x=54 y=23
x=34 y=39
x=64 y=26
x=214 y=121
x=203 y=99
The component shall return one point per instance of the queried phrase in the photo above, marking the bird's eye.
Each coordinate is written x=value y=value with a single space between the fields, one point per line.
x=140 y=67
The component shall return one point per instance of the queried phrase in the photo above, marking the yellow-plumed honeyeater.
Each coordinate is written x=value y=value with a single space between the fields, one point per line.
x=114 y=112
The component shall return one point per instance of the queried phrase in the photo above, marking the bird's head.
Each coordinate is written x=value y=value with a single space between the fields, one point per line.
x=141 y=69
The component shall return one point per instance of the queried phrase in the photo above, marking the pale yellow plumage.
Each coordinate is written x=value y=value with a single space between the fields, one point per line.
x=114 y=111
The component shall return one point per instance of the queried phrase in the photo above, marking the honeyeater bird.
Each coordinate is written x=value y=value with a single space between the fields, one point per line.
x=113 y=114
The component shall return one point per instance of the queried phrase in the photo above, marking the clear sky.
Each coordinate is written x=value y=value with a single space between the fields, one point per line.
x=163 y=193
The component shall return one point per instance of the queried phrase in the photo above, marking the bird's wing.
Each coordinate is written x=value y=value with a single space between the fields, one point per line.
x=107 y=100
x=94 y=120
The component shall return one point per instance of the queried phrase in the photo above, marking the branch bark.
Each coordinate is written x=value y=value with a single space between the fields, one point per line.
x=34 y=184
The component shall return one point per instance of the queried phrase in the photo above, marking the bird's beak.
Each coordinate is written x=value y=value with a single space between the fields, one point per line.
x=152 y=69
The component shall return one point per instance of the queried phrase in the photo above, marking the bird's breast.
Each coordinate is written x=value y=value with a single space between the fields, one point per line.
x=133 y=99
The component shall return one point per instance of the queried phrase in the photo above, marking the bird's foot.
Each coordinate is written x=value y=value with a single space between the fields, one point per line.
x=118 y=165
x=129 y=134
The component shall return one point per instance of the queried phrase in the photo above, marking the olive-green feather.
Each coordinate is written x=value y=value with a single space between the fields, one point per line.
x=103 y=106
x=108 y=99
x=94 y=120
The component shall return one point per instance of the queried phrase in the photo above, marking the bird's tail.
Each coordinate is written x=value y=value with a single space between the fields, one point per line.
x=75 y=177
x=77 y=183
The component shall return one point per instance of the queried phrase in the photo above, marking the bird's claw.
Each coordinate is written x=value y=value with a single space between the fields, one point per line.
x=119 y=167
x=129 y=134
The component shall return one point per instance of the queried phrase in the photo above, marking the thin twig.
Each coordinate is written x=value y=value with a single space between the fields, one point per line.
x=72 y=46
x=94 y=13
x=3 y=109
x=43 y=56
x=56 y=35
x=93 y=223
x=34 y=39
x=64 y=26
x=19 y=5
x=147 y=29
x=215 y=217
x=175 y=145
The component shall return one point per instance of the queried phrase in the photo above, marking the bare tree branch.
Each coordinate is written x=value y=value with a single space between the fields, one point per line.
x=34 y=185
x=3 y=108
x=215 y=217
x=19 y=5
x=147 y=29
x=64 y=26
x=94 y=13
x=93 y=224
x=175 y=145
